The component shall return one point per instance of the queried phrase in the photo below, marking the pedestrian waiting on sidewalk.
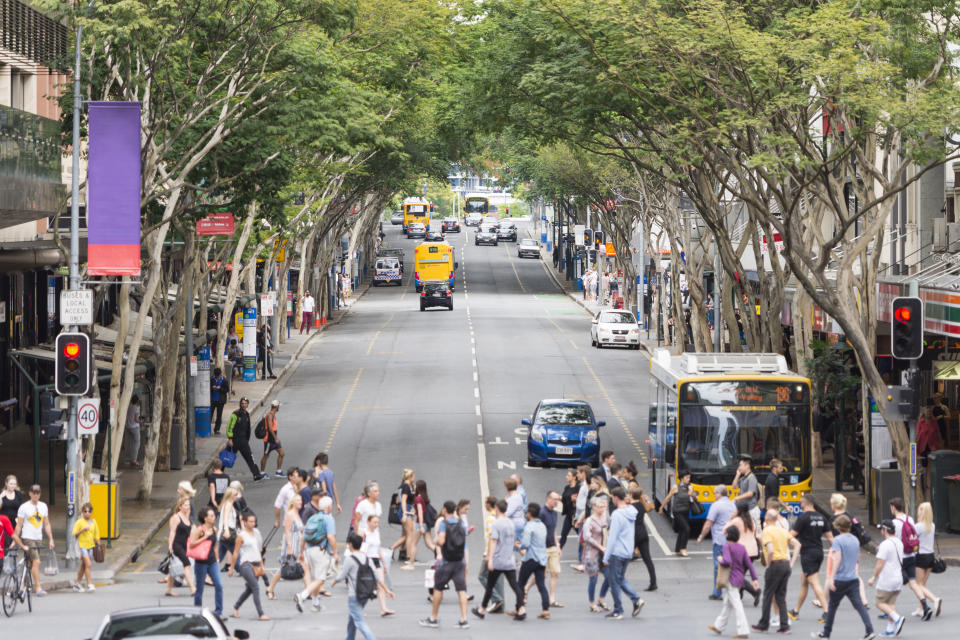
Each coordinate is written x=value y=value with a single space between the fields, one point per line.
x=87 y=534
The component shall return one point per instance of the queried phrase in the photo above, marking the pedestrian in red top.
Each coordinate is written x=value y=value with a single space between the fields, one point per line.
x=271 y=441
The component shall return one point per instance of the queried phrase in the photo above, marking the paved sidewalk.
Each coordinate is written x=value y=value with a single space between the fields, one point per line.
x=138 y=521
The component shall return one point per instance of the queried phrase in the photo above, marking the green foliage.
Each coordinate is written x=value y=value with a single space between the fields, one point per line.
x=830 y=370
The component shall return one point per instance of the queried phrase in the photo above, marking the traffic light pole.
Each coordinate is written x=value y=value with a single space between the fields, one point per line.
x=73 y=444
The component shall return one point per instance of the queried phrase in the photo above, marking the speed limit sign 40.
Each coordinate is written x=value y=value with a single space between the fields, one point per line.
x=88 y=416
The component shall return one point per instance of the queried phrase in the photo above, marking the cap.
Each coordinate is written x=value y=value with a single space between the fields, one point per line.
x=275 y=403
x=888 y=525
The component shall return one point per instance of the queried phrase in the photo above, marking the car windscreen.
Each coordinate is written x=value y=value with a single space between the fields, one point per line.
x=388 y=264
x=434 y=289
x=475 y=206
x=617 y=318
x=488 y=229
x=160 y=624
x=576 y=414
x=526 y=242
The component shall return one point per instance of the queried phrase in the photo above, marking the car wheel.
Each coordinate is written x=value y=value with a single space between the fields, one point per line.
x=422 y=308
x=593 y=342
x=595 y=462
x=532 y=463
x=450 y=307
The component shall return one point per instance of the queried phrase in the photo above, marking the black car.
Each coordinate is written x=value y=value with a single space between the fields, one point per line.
x=433 y=236
x=507 y=231
x=486 y=234
x=450 y=224
x=436 y=293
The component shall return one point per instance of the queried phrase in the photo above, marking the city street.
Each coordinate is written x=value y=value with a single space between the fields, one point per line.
x=443 y=393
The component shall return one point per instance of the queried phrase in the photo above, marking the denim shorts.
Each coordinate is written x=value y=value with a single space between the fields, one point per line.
x=86 y=553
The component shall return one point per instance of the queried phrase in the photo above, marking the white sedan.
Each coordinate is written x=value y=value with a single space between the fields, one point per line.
x=614 y=327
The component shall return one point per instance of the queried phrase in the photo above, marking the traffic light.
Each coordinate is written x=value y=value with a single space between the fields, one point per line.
x=52 y=417
x=906 y=336
x=599 y=237
x=72 y=371
x=588 y=238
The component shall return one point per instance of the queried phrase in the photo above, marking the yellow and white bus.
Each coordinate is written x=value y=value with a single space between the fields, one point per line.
x=416 y=210
x=433 y=261
x=709 y=409
x=476 y=207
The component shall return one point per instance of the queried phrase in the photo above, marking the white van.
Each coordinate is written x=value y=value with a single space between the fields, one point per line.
x=387 y=271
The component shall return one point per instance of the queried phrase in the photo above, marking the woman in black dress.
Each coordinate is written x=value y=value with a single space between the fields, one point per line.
x=177 y=545
x=10 y=500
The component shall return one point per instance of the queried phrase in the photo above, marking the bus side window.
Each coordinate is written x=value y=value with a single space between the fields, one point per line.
x=670 y=455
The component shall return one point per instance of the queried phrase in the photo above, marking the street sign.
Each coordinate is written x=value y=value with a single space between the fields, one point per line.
x=578 y=233
x=266 y=305
x=193 y=366
x=88 y=416
x=76 y=307
x=216 y=224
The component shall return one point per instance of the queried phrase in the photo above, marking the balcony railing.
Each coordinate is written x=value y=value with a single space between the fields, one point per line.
x=29 y=146
x=29 y=33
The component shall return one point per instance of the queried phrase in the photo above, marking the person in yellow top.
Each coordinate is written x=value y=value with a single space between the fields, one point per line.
x=87 y=534
x=775 y=545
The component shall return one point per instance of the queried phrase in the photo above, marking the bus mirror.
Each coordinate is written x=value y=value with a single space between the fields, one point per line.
x=525 y=421
x=456 y=265
x=601 y=423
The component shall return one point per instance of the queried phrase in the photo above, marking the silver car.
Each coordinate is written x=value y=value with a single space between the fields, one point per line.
x=397 y=218
x=416 y=230
x=182 y=622
x=507 y=230
x=528 y=247
x=486 y=234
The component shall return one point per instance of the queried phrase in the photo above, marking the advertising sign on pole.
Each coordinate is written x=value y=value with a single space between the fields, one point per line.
x=266 y=305
x=250 y=344
x=201 y=393
x=113 y=170
x=578 y=232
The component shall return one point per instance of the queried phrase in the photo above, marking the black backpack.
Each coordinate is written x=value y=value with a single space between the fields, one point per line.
x=260 y=431
x=366 y=582
x=429 y=516
x=454 y=543
x=393 y=514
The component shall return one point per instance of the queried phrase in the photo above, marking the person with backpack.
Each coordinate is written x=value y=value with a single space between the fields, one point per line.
x=843 y=578
x=362 y=586
x=271 y=442
x=425 y=516
x=888 y=576
x=451 y=540
x=238 y=437
x=906 y=531
x=318 y=549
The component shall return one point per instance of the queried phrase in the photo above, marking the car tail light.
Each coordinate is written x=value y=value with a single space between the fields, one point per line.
x=423 y=293
x=416 y=275
x=448 y=293
x=451 y=275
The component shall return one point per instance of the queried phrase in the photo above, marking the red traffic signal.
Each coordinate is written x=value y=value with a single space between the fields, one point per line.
x=71 y=350
x=906 y=334
x=71 y=373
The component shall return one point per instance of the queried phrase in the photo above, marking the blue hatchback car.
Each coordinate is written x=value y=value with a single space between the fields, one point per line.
x=563 y=432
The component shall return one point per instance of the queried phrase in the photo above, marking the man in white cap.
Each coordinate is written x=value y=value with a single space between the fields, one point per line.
x=271 y=441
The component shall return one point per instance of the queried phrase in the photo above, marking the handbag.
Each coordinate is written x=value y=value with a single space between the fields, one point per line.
x=228 y=457
x=696 y=508
x=723 y=576
x=291 y=569
x=200 y=551
x=176 y=567
x=939 y=564
x=99 y=551
x=50 y=566
x=164 y=566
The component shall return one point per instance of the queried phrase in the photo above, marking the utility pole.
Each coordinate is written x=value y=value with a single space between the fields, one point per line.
x=73 y=444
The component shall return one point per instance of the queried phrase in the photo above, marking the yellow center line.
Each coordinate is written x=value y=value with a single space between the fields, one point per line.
x=377 y=334
x=514 y=267
x=616 y=412
x=343 y=410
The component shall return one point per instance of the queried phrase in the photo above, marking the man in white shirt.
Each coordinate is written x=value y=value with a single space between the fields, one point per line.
x=307 y=305
x=369 y=506
x=888 y=576
x=32 y=522
x=286 y=492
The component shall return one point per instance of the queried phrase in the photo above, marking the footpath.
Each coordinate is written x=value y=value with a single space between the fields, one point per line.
x=139 y=521
x=949 y=543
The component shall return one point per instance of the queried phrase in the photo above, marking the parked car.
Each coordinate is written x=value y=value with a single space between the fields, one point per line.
x=436 y=293
x=416 y=230
x=507 y=230
x=564 y=432
x=394 y=253
x=186 y=622
x=387 y=271
x=473 y=220
x=433 y=236
x=397 y=217
x=528 y=247
x=486 y=234
x=614 y=327
x=450 y=224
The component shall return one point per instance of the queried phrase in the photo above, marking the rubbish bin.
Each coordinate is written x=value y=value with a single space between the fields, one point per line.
x=953 y=499
x=105 y=499
x=942 y=463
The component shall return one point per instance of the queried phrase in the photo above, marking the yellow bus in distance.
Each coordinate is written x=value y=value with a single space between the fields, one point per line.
x=416 y=210
x=433 y=261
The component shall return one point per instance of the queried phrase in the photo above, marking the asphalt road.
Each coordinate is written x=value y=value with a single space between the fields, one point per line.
x=443 y=393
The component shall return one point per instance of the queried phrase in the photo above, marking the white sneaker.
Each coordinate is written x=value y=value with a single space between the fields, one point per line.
x=90 y=587
x=774 y=621
x=918 y=613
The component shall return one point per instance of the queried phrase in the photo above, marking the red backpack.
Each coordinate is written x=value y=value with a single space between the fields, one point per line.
x=909 y=537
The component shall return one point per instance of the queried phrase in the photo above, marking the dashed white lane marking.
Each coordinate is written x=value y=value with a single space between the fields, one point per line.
x=478 y=410
x=479 y=429
x=474 y=376
x=474 y=363
x=476 y=392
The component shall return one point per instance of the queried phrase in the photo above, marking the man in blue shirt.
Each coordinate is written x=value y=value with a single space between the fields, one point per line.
x=719 y=515
x=549 y=518
x=619 y=553
x=843 y=580
x=218 y=397
x=533 y=545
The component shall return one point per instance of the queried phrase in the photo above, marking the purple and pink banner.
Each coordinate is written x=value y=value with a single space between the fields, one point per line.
x=113 y=189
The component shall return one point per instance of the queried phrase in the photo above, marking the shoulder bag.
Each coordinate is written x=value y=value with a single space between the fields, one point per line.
x=99 y=552
x=696 y=508
x=200 y=551
x=291 y=569
x=723 y=576
x=939 y=564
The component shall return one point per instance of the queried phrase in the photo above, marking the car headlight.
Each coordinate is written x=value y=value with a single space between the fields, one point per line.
x=633 y=331
x=602 y=330
x=590 y=436
x=536 y=434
